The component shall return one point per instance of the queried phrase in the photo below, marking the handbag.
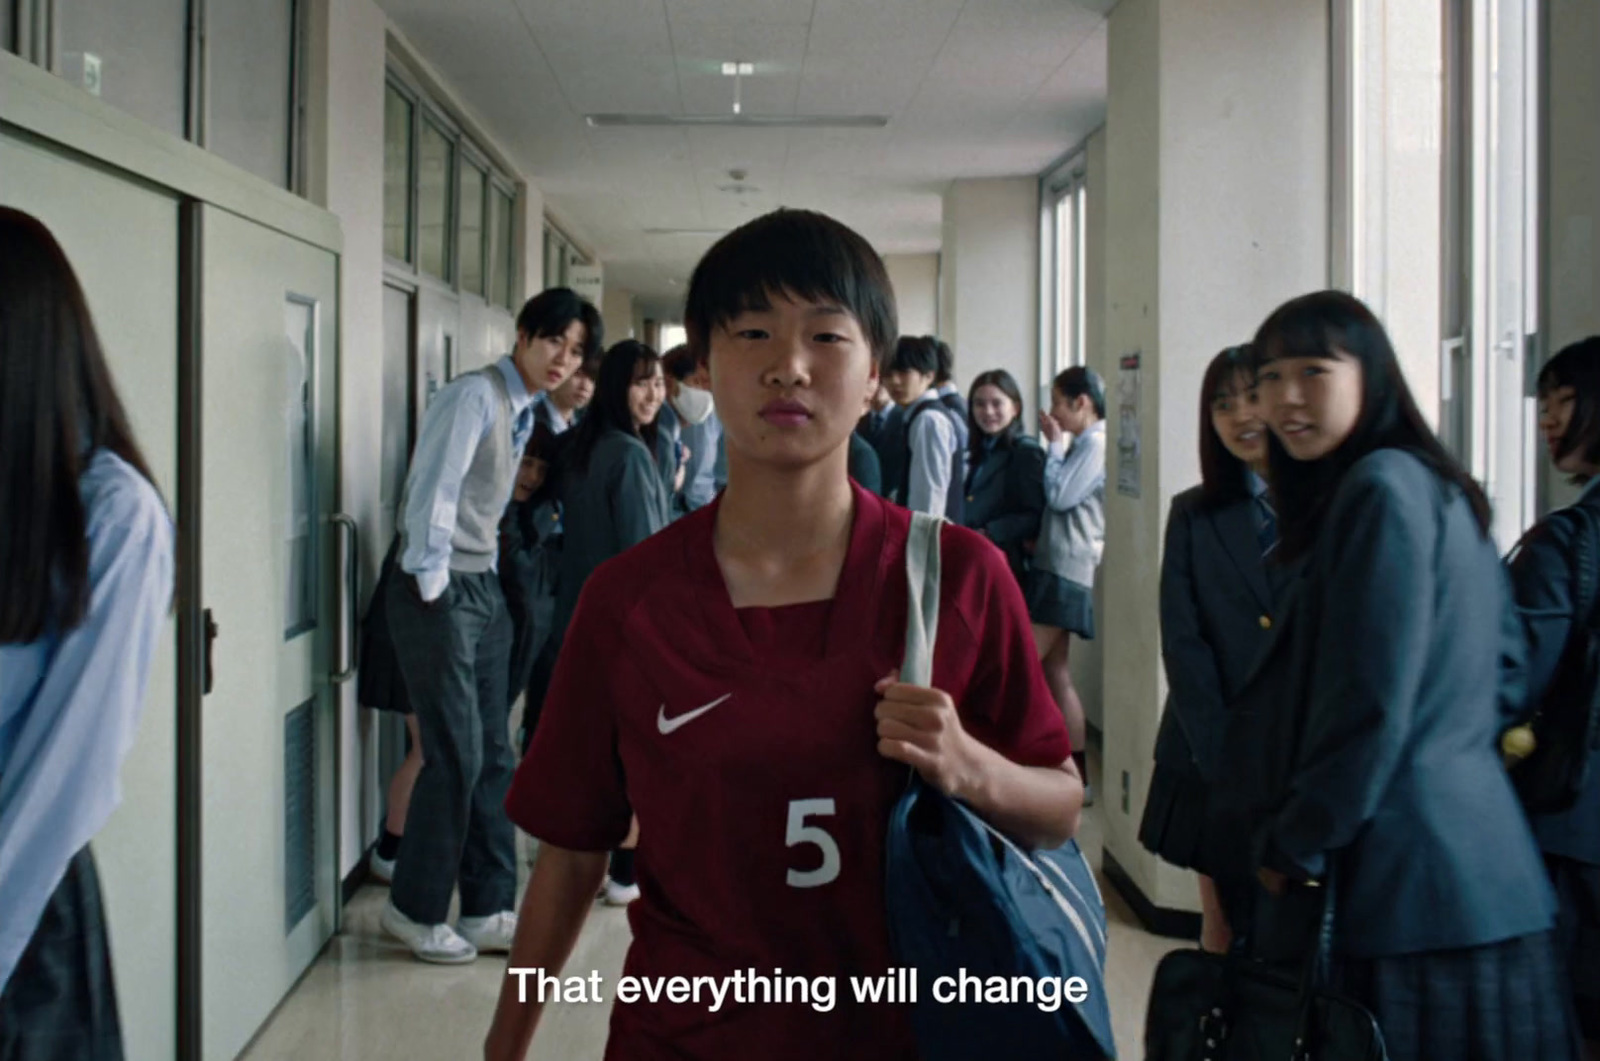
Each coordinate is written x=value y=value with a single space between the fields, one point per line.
x=1214 y=1007
x=969 y=906
x=1550 y=755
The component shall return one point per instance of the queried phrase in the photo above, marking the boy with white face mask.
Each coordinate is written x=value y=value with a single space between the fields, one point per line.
x=691 y=409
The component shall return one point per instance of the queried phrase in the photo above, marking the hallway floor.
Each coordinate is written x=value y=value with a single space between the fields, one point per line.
x=366 y=999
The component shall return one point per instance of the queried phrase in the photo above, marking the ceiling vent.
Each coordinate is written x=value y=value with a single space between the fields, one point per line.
x=748 y=121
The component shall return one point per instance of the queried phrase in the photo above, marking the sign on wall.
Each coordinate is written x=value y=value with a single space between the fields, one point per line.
x=1128 y=426
x=586 y=280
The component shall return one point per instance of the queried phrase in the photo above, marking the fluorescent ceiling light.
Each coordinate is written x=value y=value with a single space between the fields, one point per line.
x=738 y=69
x=755 y=121
x=686 y=231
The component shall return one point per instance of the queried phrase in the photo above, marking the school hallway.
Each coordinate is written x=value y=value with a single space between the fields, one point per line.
x=367 y=999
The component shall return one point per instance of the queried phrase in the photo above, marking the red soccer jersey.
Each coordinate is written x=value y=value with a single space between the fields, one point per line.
x=745 y=741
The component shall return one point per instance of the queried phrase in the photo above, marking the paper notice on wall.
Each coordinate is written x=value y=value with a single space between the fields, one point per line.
x=1128 y=426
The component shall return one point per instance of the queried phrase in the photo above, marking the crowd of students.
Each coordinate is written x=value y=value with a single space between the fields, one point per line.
x=680 y=565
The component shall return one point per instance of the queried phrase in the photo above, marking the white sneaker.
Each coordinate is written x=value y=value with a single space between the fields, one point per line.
x=614 y=894
x=381 y=869
x=492 y=934
x=439 y=944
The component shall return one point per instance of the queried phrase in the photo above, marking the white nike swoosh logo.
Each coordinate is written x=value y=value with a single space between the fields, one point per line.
x=667 y=725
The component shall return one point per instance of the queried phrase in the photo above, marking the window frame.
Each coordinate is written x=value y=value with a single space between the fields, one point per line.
x=1063 y=335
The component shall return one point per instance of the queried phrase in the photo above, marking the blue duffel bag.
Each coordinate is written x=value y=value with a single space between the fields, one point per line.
x=965 y=902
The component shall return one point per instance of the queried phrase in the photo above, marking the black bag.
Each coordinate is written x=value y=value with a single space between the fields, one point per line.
x=1211 y=1007
x=1565 y=727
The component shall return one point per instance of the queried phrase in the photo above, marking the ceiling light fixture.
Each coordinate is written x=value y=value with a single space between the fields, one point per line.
x=751 y=121
x=738 y=71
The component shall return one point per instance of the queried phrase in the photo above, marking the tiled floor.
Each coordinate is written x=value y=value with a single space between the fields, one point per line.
x=367 y=1000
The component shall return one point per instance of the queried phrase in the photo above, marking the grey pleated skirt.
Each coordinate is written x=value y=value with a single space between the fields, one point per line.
x=1506 y=1001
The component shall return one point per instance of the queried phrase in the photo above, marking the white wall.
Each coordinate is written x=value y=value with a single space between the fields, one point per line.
x=616 y=311
x=916 y=291
x=1216 y=192
x=348 y=66
x=1088 y=657
x=990 y=309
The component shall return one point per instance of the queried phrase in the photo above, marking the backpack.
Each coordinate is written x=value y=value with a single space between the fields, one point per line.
x=955 y=495
x=1564 y=729
x=965 y=901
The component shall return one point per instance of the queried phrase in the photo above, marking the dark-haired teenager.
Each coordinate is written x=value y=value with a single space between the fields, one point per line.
x=560 y=408
x=613 y=497
x=1371 y=727
x=731 y=680
x=925 y=475
x=452 y=635
x=1005 y=470
x=1557 y=625
x=86 y=559
x=1060 y=585
x=527 y=563
x=1218 y=594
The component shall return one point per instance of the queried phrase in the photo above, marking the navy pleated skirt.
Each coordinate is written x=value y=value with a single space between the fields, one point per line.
x=1577 y=886
x=1505 y=1001
x=1059 y=602
x=1174 y=824
x=61 y=1002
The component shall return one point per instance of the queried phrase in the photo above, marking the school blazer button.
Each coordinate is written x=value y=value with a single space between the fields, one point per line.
x=1266 y=622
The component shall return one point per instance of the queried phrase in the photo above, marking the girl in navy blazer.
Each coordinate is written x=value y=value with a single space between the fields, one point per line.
x=1543 y=577
x=1371 y=729
x=1005 y=469
x=1217 y=607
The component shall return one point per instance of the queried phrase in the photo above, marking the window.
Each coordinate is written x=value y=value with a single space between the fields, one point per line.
x=672 y=335
x=133 y=54
x=503 y=250
x=299 y=427
x=251 y=92
x=436 y=163
x=449 y=214
x=1063 y=275
x=397 y=111
x=470 y=240
x=1436 y=218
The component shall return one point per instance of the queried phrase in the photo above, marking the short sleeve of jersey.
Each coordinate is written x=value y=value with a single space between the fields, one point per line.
x=569 y=789
x=1007 y=703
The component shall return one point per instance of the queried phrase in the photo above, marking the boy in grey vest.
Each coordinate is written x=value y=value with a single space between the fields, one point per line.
x=453 y=637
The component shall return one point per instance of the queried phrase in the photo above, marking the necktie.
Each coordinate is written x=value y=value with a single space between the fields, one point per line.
x=522 y=429
x=1266 y=525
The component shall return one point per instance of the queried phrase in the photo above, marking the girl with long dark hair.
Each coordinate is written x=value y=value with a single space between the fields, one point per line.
x=86 y=558
x=1374 y=719
x=1218 y=593
x=1544 y=577
x=1005 y=469
x=613 y=496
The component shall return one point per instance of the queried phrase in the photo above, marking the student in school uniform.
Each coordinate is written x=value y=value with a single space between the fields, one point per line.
x=560 y=409
x=925 y=473
x=691 y=407
x=732 y=682
x=1218 y=602
x=527 y=563
x=949 y=394
x=86 y=559
x=1369 y=733
x=613 y=497
x=1543 y=574
x=452 y=636
x=1005 y=470
x=1060 y=583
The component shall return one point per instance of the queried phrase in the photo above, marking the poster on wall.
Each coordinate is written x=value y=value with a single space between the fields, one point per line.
x=586 y=280
x=1128 y=426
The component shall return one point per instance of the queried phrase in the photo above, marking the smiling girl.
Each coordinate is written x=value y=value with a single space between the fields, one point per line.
x=1218 y=597
x=1378 y=708
x=732 y=681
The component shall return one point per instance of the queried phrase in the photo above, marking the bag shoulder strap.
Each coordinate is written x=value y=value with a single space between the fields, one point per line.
x=922 y=601
x=1586 y=566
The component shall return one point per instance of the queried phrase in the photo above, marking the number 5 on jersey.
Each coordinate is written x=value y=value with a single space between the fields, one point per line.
x=801 y=833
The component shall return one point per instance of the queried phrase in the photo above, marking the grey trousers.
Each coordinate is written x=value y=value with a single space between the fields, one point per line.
x=455 y=655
